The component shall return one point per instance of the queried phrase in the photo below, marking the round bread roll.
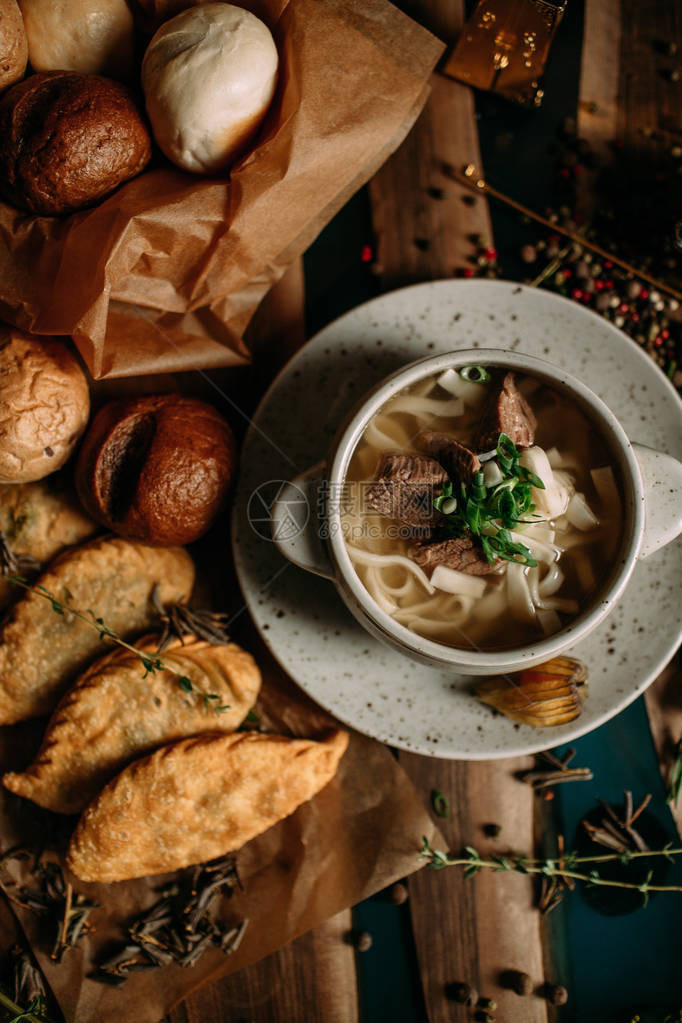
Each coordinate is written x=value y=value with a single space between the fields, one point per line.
x=209 y=76
x=92 y=36
x=44 y=405
x=157 y=468
x=13 y=47
x=67 y=140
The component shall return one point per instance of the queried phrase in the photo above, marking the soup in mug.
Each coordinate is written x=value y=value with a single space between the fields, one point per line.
x=481 y=509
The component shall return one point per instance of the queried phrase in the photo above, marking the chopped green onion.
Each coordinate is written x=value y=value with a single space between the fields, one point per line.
x=440 y=803
x=489 y=513
x=528 y=476
x=475 y=374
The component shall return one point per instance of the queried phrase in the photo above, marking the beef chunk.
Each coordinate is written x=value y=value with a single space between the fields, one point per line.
x=459 y=552
x=460 y=463
x=405 y=487
x=505 y=411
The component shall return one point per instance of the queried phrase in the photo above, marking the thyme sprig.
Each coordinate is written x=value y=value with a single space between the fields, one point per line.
x=490 y=512
x=34 y=1013
x=563 y=866
x=150 y=662
x=675 y=785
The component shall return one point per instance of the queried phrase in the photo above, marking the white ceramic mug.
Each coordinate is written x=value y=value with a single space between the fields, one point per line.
x=652 y=515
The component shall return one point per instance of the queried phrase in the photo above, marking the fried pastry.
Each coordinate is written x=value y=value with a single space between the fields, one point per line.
x=39 y=519
x=42 y=651
x=198 y=799
x=114 y=715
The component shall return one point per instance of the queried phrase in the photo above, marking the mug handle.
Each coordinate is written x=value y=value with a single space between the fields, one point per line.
x=662 y=479
x=296 y=526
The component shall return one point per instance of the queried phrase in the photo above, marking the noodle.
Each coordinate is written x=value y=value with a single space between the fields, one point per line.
x=573 y=548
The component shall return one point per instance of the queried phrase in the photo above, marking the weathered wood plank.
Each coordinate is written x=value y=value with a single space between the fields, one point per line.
x=405 y=212
x=464 y=930
x=473 y=930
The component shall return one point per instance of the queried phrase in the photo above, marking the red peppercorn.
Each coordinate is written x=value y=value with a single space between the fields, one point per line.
x=665 y=334
x=366 y=254
x=490 y=254
x=659 y=341
x=608 y=264
x=467 y=272
x=608 y=284
x=577 y=170
x=564 y=172
x=576 y=293
x=567 y=273
x=635 y=317
x=548 y=796
x=599 y=285
x=644 y=294
x=623 y=307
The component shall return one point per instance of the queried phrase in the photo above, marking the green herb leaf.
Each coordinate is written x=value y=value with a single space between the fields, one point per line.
x=475 y=374
x=488 y=515
x=440 y=804
x=185 y=683
x=675 y=785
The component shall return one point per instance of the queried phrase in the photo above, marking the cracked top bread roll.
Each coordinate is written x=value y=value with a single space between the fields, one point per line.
x=68 y=140
x=13 y=47
x=209 y=76
x=44 y=405
x=92 y=36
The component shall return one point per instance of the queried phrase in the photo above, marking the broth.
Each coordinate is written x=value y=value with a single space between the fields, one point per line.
x=573 y=534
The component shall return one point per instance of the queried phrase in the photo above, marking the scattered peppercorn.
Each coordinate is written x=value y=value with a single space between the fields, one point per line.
x=462 y=993
x=398 y=894
x=363 y=941
x=492 y=830
x=487 y=1003
x=555 y=994
x=517 y=981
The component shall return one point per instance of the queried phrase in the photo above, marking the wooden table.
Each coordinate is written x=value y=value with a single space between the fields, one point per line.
x=451 y=929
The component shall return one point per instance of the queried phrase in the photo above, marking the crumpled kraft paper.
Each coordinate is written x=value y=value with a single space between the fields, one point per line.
x=358 y=835
x=165 y=274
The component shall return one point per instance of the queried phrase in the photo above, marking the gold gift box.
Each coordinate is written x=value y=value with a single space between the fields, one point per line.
x=504 y=47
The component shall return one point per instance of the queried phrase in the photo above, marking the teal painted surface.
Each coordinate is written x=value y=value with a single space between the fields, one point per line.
x=389 y=987
x=620 y=963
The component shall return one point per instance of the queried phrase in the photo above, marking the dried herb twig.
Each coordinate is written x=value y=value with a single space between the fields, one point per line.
x=179 y=927
x=67 y=912
x=151 y=663
x=179 y=620
x=560 y=771
x=12 y=563
x=616 y=830
x=563 y=866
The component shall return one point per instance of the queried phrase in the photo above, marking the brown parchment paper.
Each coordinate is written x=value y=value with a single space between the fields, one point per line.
x=166 y=273
x=361 y=833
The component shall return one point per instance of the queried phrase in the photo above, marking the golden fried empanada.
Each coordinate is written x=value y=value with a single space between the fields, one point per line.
x=198 y=799
x=114 y=714
x=39 y=519
x=42 y=651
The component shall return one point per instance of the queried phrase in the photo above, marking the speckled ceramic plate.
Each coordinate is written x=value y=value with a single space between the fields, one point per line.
x=301 y=617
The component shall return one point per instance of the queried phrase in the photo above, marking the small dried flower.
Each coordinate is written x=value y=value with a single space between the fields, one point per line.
x=545 y=695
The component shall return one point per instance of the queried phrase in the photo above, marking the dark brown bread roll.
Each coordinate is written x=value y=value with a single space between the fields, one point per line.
x=67 y=140
x=156 y=469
